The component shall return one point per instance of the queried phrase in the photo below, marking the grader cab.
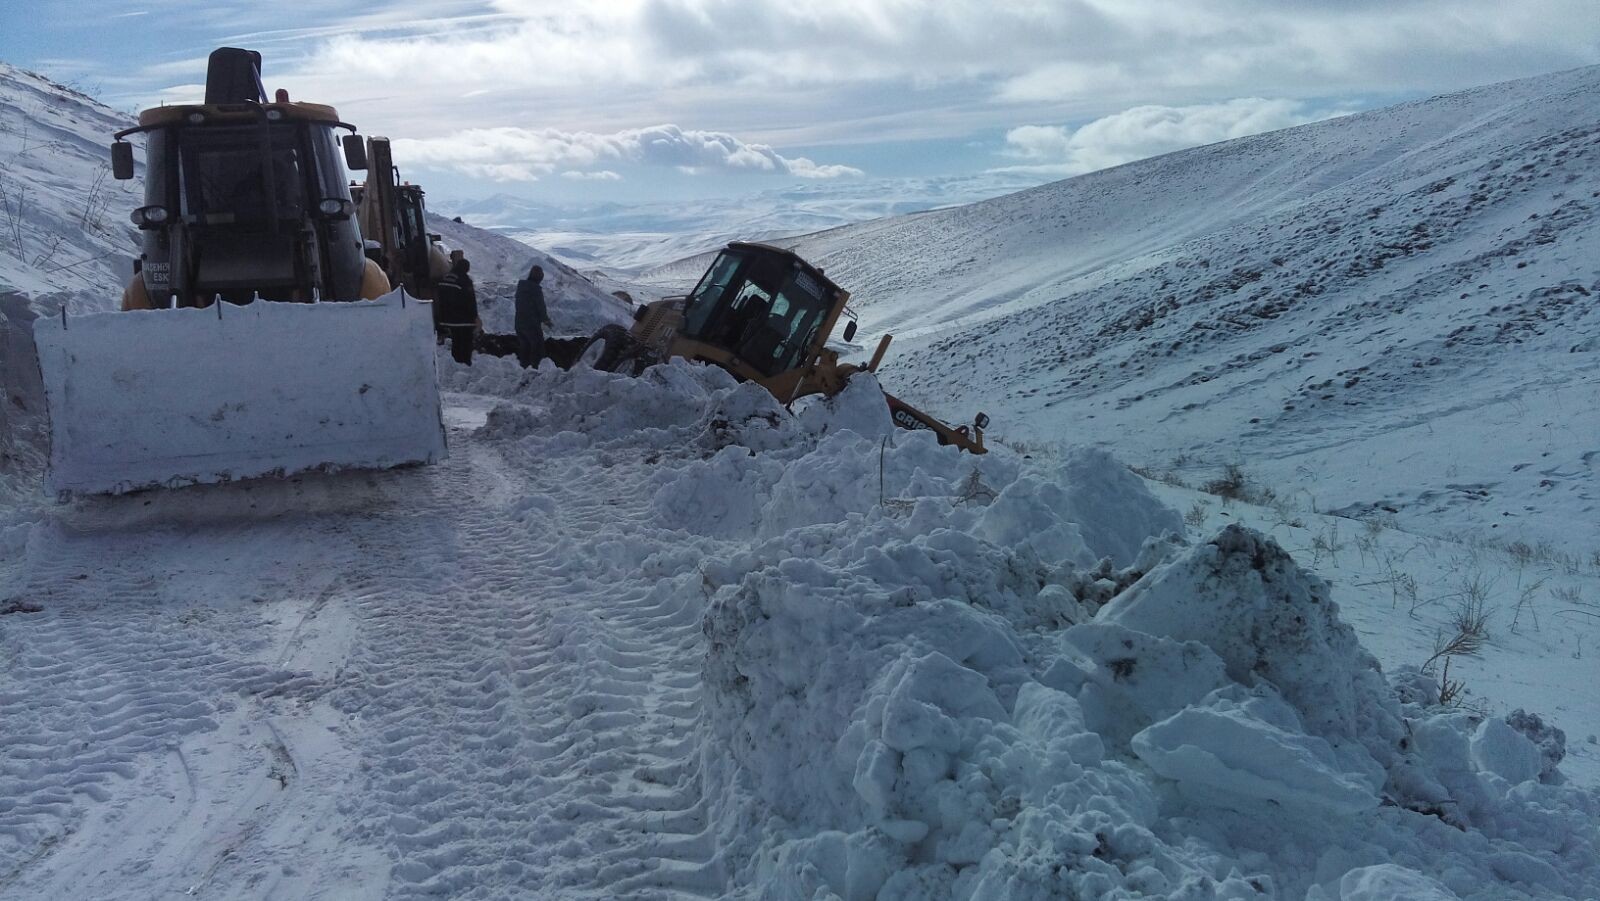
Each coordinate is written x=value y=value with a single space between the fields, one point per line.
x=764 y=314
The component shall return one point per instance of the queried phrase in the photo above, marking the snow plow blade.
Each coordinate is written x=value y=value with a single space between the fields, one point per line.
x=190 y=396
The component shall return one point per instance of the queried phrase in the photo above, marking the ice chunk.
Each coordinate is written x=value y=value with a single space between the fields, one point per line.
x=1499 y=749
x=1112 y=505
x=1241 y=747
x=1391 y=882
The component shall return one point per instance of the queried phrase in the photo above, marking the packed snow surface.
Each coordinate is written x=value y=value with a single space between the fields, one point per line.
x=661 y=637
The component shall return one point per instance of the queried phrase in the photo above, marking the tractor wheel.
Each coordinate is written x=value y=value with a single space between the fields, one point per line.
x=606 y=349
x=641 y=359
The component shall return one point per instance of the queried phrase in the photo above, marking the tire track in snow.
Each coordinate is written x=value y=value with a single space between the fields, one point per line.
x=141 y=751
x=532 y=692
x=472 y=667
x=103 y=678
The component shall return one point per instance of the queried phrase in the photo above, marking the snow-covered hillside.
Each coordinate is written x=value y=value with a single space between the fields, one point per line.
x=1392 y=313
x=577 y=306
x=63 y=218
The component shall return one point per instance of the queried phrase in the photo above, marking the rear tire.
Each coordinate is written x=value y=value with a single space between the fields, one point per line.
x=606 y=349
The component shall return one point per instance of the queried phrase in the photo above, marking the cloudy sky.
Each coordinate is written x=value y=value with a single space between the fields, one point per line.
x=635 y=100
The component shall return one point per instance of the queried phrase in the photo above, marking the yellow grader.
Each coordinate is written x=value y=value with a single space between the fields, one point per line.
x=765 y=315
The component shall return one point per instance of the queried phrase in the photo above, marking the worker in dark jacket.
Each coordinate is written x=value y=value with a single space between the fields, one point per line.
x=456 y=301
x=532 y=317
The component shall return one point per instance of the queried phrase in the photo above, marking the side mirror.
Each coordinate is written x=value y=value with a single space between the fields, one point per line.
x=981 y=421
x=122 y=161
x=850 y=331
x=355 y=151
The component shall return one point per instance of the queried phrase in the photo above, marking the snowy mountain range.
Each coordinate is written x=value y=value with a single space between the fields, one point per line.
x=1391 y=313
x=625 y=239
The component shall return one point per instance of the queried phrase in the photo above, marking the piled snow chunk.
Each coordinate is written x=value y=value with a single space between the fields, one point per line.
x=1385 y=882
x=1028 y=513
x=1114 y=508
x=1552 y=742
x=1499 y=749
x=1241 y=746
x=1127 y=680
x=869 y=687
x=859 y=408
x=1242 y=596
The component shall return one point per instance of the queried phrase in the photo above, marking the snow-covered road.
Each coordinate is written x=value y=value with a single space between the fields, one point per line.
x=267 y=690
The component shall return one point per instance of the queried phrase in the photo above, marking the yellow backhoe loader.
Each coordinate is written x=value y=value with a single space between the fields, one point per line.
x=765 y=315
x=199 y=380
x=394 y=217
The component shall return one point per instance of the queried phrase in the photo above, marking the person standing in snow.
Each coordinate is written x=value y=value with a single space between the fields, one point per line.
x=456 y=303
x=532 y=318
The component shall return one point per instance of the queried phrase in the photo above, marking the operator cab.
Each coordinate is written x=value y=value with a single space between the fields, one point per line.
x=243 y=196
x=763 y=304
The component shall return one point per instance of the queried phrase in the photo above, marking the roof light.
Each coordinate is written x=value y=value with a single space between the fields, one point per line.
x=196 y=118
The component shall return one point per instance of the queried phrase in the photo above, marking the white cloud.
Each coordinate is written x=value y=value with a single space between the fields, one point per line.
x=786 y=73
x=599 y=175
x=521 y=154
x=1027 y=51
x=1146 y=131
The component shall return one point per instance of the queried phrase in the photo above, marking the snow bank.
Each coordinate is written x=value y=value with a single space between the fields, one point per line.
x=1243 y=597
x=933 y=675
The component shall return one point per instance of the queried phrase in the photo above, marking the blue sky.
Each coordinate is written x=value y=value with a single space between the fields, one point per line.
x=652 y=99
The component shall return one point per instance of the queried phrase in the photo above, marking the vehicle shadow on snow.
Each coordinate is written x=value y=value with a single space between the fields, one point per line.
x=251 y=500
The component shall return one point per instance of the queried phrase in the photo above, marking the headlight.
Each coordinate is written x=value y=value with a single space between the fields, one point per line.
x=149 y=216
x=274 y=115
x=334 y=207
x=196 y=118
